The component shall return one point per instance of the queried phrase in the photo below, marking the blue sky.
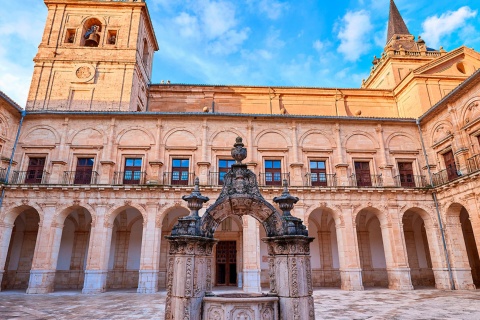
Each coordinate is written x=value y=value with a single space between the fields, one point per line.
x=256 y=42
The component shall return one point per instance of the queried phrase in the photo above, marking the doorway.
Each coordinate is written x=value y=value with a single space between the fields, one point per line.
x=226 y=263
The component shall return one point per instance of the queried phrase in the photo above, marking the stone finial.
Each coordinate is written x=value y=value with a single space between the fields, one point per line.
x=286 y=200
x=195 y=200
x=239 y=153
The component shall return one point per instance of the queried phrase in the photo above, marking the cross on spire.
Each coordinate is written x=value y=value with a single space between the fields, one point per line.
x=396 y=25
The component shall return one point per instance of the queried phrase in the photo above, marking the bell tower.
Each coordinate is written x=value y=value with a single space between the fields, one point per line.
x=95 y=55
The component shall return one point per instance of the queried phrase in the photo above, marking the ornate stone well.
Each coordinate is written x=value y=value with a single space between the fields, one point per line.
x=191 y=245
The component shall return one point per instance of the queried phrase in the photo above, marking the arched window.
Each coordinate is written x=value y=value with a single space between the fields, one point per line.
x=145 y=52
x=91 y=33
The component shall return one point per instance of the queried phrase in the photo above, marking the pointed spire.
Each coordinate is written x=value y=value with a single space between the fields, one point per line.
x=396 y=25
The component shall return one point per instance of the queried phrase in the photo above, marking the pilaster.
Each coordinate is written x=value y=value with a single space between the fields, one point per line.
x=251 y=255
x=5 y=236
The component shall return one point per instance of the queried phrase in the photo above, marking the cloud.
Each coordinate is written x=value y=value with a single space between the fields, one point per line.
x=272 y=9
x=354 y=35
x=21 y=32
x=436 y=27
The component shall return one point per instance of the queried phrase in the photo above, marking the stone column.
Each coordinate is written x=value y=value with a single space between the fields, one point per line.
x=98 y=253
x=251 y=255
x=461 y=271
x=5 y=236
x=44 y=264
x=189 y=276
x=437 y=253
x=399 y=277
x=150 y=254
x=291 y=276
x=348 y=252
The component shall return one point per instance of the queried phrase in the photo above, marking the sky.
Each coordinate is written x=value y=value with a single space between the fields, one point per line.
x=313 y=43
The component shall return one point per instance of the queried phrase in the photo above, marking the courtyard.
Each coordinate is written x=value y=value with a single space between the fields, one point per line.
x=329 y=304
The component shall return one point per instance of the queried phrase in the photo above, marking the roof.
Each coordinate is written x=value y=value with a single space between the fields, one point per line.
x=9 y=100
x=396 y=25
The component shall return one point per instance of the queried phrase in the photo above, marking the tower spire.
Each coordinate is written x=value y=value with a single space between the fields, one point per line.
x=396 y=25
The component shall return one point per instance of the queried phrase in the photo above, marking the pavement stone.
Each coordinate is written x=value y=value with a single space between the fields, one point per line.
x=370 y=304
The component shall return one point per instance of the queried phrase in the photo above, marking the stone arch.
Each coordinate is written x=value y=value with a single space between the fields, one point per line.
x=226 y=141
x=271 y=136
x=187 y=138
x=333 y=212
x=18 y=240
x=88 y=136
x=402 y=141
x=256 y=207
x=64 y=211
x=11 y=213
x=71 y=248
x=323 y=226
x=162 y=214
x=463 y=243
x=41 y=135
x=372 y=242
x=361 y=140
x=112 y=214
x=3 y=125
x=135 y=136
x=419 y=233
x=470 y=111
x=441 y=130
x=324 y=137
x=381 y=215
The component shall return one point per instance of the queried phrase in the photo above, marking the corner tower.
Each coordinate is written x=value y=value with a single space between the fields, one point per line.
x=95 y=55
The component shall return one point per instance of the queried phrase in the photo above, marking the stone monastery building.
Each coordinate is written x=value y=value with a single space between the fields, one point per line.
x=94 y=169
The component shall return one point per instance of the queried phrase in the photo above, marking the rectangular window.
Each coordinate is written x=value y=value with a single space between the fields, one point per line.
x=362 y=174
x=133 y=171
x=405 y=171
x=450 y=165
x=112 y=37
x=318 y=173
x=273 y=172
x=180 y=173
x=223 y=167
x=70 y=36
x=83 y=172
x=34 y=174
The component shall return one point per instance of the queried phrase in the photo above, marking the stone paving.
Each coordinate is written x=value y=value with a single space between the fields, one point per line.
x=329 y=304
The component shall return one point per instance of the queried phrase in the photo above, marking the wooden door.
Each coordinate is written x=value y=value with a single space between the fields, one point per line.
x=450 y=165
x=405 y=170
x=226 y=262
x=34 y=173
x=83 y=173
x=362 y=174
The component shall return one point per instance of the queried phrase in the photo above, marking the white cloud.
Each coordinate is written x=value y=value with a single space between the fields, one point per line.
x=218 y=18
x=436 y=27
x=21 y=32
x=273 y=39
x=272 y=9
x=187 y=25
x=354 y=35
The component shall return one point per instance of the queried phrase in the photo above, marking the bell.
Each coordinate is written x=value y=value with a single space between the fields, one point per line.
x=93 y=40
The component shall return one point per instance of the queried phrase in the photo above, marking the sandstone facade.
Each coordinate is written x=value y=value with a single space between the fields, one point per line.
x=387 y=175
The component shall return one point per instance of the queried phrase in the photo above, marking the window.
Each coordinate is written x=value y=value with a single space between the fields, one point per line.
x=223 y=167
x=180 y=172
x=133 y=171
x=450 y=165
x=273 y=172
x=362 y=174
x=145 y=53
x=112 y=37
x=34 y=172
x=83 y=173
x=318 y=173
x=70 y=36
x=91 y=33
x=405 y=171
